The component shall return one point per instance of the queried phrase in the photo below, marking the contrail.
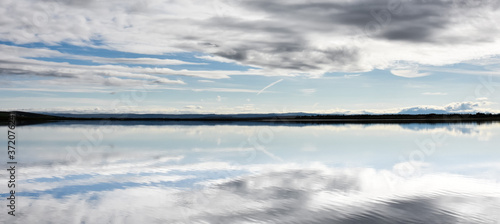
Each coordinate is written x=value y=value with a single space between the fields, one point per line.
x=272 y=84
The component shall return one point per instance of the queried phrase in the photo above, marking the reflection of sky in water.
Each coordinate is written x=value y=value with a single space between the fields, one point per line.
x=252 y=174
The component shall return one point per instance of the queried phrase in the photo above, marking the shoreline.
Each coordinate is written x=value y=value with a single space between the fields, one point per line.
x=27 y=118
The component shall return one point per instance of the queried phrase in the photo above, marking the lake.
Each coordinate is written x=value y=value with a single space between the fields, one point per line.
x=151 y=172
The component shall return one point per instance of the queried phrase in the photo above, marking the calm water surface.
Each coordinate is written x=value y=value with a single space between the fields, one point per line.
x=172 y=173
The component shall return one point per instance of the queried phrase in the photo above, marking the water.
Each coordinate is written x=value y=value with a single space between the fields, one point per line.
x=198 y=173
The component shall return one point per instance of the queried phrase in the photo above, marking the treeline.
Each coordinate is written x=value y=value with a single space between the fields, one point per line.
x=33 y=118
x=405 y=116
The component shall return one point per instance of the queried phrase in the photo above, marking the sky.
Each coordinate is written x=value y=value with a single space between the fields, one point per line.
x=250 y=56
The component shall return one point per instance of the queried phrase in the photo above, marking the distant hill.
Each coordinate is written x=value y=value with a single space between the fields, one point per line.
x=174 y=116
x=24 y=118
x=33 y=118
x=27 y=115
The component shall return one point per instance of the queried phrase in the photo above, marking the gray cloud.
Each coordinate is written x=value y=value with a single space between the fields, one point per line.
x=18 y=62
x=413 y=21
x=424 y=22
x=78 y=75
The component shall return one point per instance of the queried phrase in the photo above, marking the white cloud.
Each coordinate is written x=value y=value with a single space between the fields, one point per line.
x=408 y=73
x=407 y=70
x=246 y=108
x=434 y=93
x=144 y=61
x=216 y=58
x=479 y=106
x=206 y=81
x=308 y=92
x=193 y=107
x=456 y=107
x=351 y=75
x=268 y=86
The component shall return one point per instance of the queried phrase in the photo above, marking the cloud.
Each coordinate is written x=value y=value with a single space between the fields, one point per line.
x=207 y=108
x=407 y=70
x=308 y=91
x=17 y=63
x=16 y=51
x=289 y=193
x=268 y=86
x=143 y=61
x=478 y=106
x=408 y=73
x=58 y=76
x=423 y=110
x=281 y=37
x=434 y=94
x=348 y=76
x=216 y=58
x=193 y=107
x=463 y=106
x=456 y=107
x=25 y=65
x=463 y=130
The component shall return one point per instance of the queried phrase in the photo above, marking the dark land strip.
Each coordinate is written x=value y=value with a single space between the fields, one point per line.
x=27 y=118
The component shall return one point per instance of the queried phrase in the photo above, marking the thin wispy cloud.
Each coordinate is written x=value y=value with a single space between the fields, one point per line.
x=308 y=91
x=269 y=86
x=435 y=94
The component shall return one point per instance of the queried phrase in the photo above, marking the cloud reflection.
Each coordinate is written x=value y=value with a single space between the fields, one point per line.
x=284 y=193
